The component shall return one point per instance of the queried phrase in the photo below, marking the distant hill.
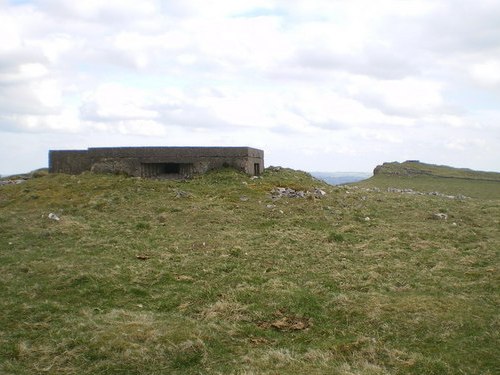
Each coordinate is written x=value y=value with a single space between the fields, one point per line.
x=340 y=178
x=411 y=168
x=40 y=172
x=430 y=177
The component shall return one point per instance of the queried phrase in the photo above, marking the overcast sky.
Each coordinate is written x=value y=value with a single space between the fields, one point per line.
x=320 y=85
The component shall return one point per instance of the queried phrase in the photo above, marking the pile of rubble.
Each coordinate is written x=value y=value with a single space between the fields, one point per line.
x=12 y=182
x=283 y=192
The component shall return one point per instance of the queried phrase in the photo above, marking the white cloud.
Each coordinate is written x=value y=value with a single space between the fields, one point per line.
x=116 y=102
x=48 y=93
x=315 y=83
x=487 y=73
x=9 y=29
x=241 y=43
x=57 y=46
x=96 y=10
x=23 y=72
x=66 y=121
x=406 y=97
x=215 y=8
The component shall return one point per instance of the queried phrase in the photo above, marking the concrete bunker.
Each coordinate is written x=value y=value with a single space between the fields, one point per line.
x=156 y=162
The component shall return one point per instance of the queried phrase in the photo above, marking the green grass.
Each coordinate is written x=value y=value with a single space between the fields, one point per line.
x=155 y=277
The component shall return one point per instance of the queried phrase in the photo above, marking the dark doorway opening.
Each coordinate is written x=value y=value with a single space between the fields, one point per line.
x=256 y=169
x=165 y=170
x=170 y=168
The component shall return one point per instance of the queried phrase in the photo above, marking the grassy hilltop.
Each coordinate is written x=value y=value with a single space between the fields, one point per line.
x=430 y=177
x=214 y=276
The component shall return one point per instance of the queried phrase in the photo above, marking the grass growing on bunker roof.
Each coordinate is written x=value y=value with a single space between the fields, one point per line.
x=214 y=276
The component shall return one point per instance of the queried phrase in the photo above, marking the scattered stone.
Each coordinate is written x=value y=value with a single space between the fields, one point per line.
x=432 y=193
x=182 y=194
x=12 y=182
x=319 y=193
x=438 y=194
x=142 y=257
x=271 y=206
x=244 y=198
x=395 y=190
x=367 y=218
x=53 y=216
x=282 y=192
x=274 y=169
x=254 y=177
x=440 y=216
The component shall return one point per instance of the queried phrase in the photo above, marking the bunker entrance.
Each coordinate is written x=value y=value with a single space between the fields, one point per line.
x=165 y=170
x=170 y=168
x=256 y=169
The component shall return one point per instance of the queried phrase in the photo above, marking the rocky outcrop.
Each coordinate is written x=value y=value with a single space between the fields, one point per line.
x=407 y=169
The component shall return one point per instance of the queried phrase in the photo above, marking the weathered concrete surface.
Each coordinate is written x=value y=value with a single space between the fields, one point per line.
x=156 y=161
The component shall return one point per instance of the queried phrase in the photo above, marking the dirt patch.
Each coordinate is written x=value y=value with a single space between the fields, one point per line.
x=184 y=278
x=286 y=322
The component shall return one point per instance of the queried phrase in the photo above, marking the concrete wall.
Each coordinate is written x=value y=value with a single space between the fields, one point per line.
x=154 y=161
x=69 y=161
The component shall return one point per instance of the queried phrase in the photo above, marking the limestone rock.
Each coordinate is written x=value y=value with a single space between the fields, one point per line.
x=53 y=216
x=285 y=192
x=440 y=216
